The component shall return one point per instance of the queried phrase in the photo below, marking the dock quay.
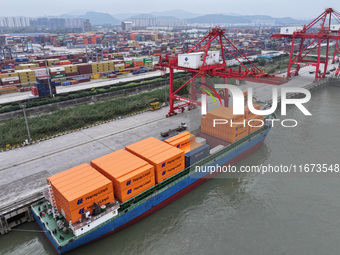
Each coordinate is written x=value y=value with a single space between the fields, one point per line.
x=24 y=170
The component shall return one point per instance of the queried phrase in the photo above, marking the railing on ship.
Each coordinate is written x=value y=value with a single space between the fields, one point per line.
x=136 y=201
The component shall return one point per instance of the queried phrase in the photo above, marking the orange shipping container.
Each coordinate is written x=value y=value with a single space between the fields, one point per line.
x=160 y=159
x=224 y=113
x=75 y=197
x=123 y=167
x=255 y=123
x=191 y=146
x=80 y=185
x=135 y=190
x=181 y=139
x=248 y=113
x=76 y=214
x=134 y=178
x=180 y=135
x=161 y=155
x=166 y=173
x=70 y=173
x=126 y=170
x=65 y=62
x=225 y=131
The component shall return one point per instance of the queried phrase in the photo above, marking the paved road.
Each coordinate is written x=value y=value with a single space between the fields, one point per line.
x=23 y=171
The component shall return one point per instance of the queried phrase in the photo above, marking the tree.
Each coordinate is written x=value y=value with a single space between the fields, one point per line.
x=262 y=62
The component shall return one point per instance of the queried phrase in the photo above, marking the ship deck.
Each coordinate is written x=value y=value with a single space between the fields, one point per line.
x=51 y=224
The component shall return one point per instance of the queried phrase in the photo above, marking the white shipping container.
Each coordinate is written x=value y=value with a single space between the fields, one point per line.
x=216 y=149
x=119 y=65
x=40 y=75
x=201 y=140
x=40 y=71
x=191 y=60
x=24 y=71
x=10 y=79
x=212 y=58
x=335 y=27
x=57 y=69
x=289 y=30
x=138 y=59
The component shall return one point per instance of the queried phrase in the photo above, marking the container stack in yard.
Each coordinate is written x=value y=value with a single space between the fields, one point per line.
x=166 y=159
x=108 y=66
x=42 y=89
x=25 y=66
x=97 y=67
x=71 y=70
x=10 y=81
x=119 y=64
x=84 y=68
x=137 y=62
x=8 y=90
x=130 y=174
x=148 y=61
x=76 y=191
x=41 y=73
x=81 y=79
x=27 y=77
x=53 y=62
x=57 y=72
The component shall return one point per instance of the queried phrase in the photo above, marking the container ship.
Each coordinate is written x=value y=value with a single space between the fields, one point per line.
x=91 y=201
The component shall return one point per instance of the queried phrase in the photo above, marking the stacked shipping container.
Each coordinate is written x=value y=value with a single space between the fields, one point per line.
x=97 y=67
x=225 y=131
x=84 y=69
x=192 y=149
x=130 y=174
x=27 y=77
x=108 y=66
x=255 y=121
x=166 y=159
x=77 y=189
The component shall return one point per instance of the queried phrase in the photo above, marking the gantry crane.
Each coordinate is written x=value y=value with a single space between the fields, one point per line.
x=318 y=31
x=246 y=70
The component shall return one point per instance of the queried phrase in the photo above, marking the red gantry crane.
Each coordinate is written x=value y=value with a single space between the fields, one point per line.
x=199 y=61
x=320 y=30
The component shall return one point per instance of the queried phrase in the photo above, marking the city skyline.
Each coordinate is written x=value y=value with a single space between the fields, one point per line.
x=296 y=9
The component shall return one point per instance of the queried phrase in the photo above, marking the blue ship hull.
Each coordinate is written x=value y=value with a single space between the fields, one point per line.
x=158 y=201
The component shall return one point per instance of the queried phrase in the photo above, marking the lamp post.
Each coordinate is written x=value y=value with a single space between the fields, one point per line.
x=47 y=72
x=23 y=107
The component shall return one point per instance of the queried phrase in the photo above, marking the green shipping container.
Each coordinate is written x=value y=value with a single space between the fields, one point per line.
x=58 y=76
x=148 y=60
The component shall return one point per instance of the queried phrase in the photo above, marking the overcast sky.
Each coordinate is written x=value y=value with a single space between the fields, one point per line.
x=282 y=8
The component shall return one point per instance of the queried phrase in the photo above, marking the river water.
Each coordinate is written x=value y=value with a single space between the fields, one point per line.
x=251 y=214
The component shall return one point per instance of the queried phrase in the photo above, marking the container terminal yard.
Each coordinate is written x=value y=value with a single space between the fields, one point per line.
x=29 y=77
